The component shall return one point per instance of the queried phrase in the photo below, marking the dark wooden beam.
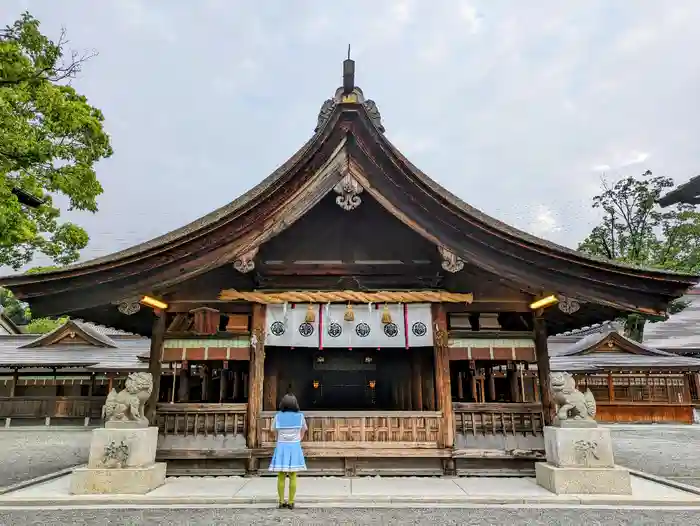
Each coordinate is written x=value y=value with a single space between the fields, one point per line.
x=185 y=306
x=349 y=269
x=154 y=363
x=542 y=354
x=368 y=283
x=488 y=305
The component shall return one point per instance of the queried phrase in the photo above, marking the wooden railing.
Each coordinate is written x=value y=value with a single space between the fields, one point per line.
x=498 y=419
x=191 y=419
x=51 y=407
x=366 y=429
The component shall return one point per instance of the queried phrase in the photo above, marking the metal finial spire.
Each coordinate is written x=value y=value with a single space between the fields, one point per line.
x=348 y=74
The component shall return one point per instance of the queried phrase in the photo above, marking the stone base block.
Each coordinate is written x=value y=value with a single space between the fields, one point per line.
x=572 y=447
x=127 y=481
x=599 y=481
x=140 y=442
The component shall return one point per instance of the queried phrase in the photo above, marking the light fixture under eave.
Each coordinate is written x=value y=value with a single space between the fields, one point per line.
x=544 y=302
x=154 y=303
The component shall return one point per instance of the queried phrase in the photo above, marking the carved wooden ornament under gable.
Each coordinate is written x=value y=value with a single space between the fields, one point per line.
x=568 y=305
x=450 y=261
x=246 y=262
x=129 y=306
x=348 y=190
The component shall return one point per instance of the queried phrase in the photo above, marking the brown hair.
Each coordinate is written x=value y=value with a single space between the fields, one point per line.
x=289 y=404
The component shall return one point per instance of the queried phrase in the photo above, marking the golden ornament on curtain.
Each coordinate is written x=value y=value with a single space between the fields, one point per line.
x=310 y=314
x=349 y=314
x=386 y=315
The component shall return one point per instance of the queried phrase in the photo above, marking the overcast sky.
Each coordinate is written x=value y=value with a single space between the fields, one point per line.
x=517 y=107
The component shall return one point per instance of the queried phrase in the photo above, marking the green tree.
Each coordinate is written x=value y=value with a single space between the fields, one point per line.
x=50 y=142
x=635 y=230
x=14 y=309
x=19 y=311
x=44 y=325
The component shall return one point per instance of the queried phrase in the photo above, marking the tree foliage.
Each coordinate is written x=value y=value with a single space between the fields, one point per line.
x=44 y=325
x=50 y=142
x=635 y=230
x=14 y=309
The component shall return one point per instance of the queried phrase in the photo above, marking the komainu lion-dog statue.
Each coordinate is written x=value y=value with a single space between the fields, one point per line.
x=572 y=404
x=128 y=405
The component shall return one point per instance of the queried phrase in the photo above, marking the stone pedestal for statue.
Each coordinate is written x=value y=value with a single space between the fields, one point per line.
x=579 y=453
x=580 y=460
x=122 y=454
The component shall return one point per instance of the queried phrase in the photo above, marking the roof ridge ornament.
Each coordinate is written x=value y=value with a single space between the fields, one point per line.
x=349 y=93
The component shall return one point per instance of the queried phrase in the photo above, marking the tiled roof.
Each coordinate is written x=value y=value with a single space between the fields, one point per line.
x=603 y=361
x=564 y=351
x=108 y=331
x=681 y=331
x=123 y=356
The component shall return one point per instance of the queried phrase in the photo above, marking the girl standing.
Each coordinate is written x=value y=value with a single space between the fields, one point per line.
x=288 y=458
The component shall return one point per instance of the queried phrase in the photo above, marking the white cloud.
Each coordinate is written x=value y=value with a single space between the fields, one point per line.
x=470 y=16
x=634 y=158
x=545 y=222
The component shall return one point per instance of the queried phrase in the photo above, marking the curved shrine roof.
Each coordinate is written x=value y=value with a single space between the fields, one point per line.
x=349 y=142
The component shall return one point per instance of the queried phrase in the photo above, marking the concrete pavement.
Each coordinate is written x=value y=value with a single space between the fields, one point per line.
x=354 y=492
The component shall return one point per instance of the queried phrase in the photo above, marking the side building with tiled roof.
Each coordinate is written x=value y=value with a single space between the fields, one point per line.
x=65 y=374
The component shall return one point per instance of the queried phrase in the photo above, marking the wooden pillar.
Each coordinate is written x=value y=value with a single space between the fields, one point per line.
x=513 y=381
x=460 y=385
x=491 y=383
x=255 y=379
x=472 y=382
x=427 y=367
x=223 y=378
x=154 y=363
x=696 y=379
x=442 y=374
x=91 y=389
x=611 y=388
x=542 y=354
x=270 y=384
x=15 y=378
x=183 y=392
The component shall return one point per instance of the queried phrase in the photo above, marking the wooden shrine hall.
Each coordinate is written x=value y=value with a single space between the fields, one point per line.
x=405 y=321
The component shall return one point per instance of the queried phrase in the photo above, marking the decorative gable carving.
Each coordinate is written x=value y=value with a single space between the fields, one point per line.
x=614 y=342
x=72 y=333
x=348 y=190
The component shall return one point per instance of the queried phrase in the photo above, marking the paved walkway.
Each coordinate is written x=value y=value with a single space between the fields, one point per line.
x=341 y=491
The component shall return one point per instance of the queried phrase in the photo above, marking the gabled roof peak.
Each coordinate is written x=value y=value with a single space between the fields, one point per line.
x=72 y=329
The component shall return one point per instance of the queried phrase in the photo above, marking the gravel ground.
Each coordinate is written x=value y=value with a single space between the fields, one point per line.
x=666 y=451
x=300 y=516
x=30 y=453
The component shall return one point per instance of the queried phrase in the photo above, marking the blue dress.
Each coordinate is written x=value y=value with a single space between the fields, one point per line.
x=288 y=456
